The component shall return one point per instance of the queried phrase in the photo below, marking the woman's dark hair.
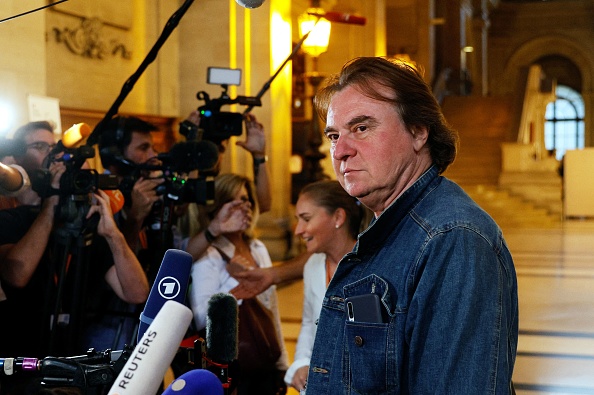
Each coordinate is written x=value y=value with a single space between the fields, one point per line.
x=410 y=96
x=330 y=195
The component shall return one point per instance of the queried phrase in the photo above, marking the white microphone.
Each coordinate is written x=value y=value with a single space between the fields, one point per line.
x=144 y=371
x=250 y=3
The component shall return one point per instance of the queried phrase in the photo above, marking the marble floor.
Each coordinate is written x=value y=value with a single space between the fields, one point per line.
x=555 y=267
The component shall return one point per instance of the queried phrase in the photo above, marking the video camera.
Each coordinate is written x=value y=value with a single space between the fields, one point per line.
x=76 y=184
x=200 y=150
x=219 y=125
x=75 y=180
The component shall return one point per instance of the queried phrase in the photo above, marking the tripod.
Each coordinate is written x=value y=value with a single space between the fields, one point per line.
x=67 y=288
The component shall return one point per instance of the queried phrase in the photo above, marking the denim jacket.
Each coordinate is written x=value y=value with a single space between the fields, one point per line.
x=448 y=290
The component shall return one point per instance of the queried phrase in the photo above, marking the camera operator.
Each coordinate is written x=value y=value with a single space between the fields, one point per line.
x=229 y=218
x=29 y=272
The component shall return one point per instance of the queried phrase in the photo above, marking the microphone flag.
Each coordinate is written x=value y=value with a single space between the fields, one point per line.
x=171 y=283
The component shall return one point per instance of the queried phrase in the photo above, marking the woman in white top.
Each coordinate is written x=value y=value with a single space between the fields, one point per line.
x=213 y=273
x=328 y=221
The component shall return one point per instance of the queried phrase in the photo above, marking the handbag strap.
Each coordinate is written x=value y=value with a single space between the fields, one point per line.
x=223 y=255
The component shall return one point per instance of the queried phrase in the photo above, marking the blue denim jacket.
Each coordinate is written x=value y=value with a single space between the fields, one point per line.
x=448 y=288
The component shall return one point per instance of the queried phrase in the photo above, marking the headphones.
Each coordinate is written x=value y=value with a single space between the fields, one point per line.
x=112 y=142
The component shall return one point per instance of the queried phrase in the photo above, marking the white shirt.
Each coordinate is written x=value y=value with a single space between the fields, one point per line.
x=314 y=289
x=210 y=276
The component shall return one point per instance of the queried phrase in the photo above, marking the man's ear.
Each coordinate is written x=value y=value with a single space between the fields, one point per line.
x=420 y=137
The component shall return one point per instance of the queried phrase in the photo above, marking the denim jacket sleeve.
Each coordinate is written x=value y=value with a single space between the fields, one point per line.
x=460 y=316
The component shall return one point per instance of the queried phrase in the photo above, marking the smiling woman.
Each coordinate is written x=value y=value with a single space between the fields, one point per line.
x=328 y=221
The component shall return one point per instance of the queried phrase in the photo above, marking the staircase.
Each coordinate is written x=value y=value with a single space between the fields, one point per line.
x=483 y=124
x=512 y=211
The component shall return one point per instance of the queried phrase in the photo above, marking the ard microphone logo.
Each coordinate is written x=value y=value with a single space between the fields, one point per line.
x=169 y=287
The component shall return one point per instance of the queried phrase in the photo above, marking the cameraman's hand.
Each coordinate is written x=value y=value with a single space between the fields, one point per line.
x=256 y=138
x=56 y=170
x=194 y=117
x=106 y=226
x=143 y=196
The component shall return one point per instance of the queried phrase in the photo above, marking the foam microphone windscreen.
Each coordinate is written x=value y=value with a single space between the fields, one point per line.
x=116 y=199
x=171 y=283
x=144 y=371
x=221 y=328
x=195 y=382
x=75 y=134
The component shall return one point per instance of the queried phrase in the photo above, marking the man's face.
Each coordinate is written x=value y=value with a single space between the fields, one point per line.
x=39 y=143
x=140 y=149
x=373 y=154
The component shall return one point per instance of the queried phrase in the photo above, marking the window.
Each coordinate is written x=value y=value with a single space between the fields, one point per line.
x=564 y=126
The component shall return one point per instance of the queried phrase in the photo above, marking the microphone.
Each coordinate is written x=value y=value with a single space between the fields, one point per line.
x=144 y=371
x=75 y=134
x=341 y=17
x=221 y=336
x=195 y=382
x=116 y=199
x=221 y=328
x=171 y=283
x=13 y=179
x=250 y=3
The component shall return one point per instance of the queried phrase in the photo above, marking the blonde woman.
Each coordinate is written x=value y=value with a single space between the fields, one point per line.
x=213 y=273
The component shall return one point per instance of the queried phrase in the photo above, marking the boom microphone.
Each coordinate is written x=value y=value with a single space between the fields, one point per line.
x=250 y=3
x=342 y=17
x=195 y=382
x=144 y=371
x=171 y=283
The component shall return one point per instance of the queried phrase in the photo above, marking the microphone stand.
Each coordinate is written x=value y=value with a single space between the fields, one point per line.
x=267 y=84
x=150 y=57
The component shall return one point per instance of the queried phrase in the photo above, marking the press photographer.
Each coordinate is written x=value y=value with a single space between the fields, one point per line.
x=47 y=290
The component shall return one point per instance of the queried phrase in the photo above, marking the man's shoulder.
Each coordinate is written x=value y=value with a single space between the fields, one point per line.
x=449 y=205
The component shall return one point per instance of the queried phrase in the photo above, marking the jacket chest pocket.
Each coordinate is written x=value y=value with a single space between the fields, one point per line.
x=369 y=360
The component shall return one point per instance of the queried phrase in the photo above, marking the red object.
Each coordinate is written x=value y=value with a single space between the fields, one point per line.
x=116 y=199
x=342 y=17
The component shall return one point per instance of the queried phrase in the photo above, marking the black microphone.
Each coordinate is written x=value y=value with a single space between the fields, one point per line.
x=171 y=283
x=250 y=3
x=221 y=336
